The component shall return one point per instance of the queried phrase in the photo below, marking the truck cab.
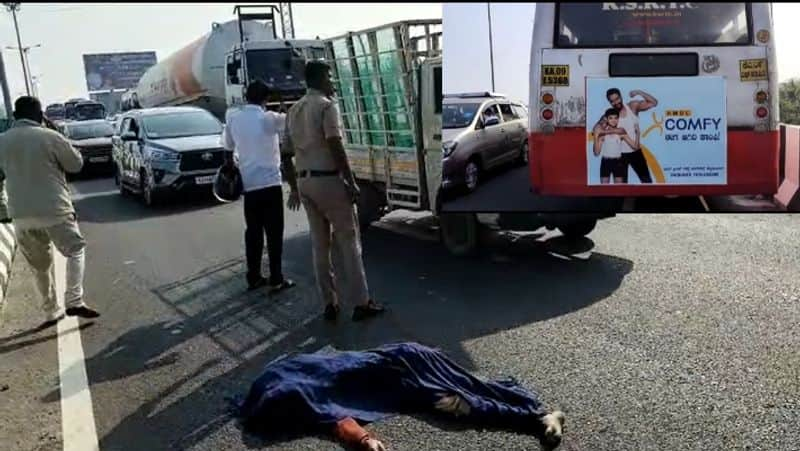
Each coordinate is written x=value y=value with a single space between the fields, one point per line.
x=279 y=63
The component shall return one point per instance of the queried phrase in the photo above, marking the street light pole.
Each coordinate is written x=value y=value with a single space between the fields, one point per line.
x=26 y=66
x=491 y=46
x=13 y=8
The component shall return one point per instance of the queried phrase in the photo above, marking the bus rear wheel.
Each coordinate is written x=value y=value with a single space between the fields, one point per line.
x=578 y=229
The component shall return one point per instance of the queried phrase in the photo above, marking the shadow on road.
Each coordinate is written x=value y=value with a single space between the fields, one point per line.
x=434 y=299
x=114 y=208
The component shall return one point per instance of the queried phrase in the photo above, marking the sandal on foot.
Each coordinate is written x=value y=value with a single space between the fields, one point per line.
x=371 y=309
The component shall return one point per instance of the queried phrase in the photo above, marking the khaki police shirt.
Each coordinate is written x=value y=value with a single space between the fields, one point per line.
x=309 y=123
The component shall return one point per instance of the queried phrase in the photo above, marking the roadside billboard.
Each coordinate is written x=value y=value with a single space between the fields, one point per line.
x=107 y=71
x=680 y=126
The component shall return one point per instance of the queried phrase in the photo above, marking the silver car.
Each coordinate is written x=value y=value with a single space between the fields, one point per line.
x=480 y=132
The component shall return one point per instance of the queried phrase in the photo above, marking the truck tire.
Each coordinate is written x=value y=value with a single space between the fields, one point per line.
x=460 y=233
x=578 y=229
x=370 y=205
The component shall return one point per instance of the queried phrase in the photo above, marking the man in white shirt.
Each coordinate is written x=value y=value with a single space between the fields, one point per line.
x=252 y=133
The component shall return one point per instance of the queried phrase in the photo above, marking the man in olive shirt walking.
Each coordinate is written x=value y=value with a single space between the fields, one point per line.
x=328 y=191
x=33 y=162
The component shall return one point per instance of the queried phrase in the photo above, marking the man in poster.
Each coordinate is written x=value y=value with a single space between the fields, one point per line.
x=629 y=122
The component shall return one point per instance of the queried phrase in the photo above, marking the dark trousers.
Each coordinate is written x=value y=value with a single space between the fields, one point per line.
x=263 y=213
x=637 y=161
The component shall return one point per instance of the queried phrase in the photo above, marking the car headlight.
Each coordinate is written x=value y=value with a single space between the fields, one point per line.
x=448 y=148
x=164 y=155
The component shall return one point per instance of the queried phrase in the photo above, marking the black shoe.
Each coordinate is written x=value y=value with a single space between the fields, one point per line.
x=83 y=312
x=331 y=312
x=261 y=282
x=370 y=310
x=285 y=285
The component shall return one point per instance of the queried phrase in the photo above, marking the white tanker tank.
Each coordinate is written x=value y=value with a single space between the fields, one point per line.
x=196 y=74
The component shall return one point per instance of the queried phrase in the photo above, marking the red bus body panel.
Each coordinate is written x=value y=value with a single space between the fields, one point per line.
x=558 y=167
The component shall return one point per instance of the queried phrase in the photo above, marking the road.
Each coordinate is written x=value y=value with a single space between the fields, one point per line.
x=677 y=332
x=507 y=189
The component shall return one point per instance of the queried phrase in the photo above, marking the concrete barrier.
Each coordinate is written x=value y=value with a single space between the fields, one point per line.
x=8 y=248
x=788 y=196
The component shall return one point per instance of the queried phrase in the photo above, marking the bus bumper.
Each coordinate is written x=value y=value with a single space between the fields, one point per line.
x=558 y=167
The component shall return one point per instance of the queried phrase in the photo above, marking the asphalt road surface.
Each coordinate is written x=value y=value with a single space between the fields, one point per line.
x=507 y=189
x=674 y=332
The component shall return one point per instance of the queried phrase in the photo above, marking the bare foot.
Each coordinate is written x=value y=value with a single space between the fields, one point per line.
x=554 y=425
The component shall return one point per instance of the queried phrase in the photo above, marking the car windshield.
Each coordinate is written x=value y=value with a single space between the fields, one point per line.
x=55 y=113
x=89 y=131
x=651 y=24
x=458 y=115
x=179 y=125
x=277 y=68
x=91 y=111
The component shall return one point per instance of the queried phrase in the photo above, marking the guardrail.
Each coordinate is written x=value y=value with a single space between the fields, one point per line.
x=788 y=196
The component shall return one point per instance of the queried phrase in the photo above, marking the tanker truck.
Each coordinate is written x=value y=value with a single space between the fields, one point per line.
x=212 y=71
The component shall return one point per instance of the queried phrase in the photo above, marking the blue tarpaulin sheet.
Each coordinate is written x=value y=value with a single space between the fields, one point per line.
x=317 y=390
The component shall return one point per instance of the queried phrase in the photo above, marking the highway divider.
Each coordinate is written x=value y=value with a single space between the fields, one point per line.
x=8 y=248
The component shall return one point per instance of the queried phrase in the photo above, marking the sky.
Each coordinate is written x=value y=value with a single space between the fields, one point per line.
x=466 y=46
x=66 y=31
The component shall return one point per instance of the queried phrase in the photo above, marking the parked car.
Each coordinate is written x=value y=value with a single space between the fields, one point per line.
x=162 y=151
x=92 y=139
x=480 y=131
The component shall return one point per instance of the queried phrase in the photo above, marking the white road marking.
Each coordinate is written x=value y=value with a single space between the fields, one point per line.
x=79 y=196
x=77 y=416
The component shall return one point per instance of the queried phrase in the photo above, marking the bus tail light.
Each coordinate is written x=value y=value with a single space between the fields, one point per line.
x=762 y=112
x=547 y=98
x=762 y=97
x=547 y=114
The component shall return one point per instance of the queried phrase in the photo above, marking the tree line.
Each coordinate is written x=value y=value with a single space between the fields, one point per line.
x=790 y=102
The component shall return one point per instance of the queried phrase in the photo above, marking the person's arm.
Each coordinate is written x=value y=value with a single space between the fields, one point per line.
x=228 y=142
x=598 y=143
x=598 y=129
x=633 y=143
x=333 y=135
x=66 y=155
x=642 y=105
x=287 y=166
x=351 y=433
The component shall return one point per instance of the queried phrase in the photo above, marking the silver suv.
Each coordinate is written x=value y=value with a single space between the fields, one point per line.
x=480 y=131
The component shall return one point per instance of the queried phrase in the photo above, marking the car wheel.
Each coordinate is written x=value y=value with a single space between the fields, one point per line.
x=523 y=154
x=123 y=190
x=149 y=197
x=472 y=174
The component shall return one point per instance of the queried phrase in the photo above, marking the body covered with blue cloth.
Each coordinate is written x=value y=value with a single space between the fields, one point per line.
x=319 y=392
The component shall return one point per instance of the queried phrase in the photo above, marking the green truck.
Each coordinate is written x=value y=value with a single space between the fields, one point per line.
x=388 y=81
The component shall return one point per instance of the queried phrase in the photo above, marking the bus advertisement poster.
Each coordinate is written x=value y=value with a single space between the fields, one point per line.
x=666 y=130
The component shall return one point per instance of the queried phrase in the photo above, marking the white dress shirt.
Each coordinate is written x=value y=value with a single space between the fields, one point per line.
x=253 y=134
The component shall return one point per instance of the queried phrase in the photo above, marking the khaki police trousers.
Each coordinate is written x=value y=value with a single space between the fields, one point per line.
x=35 y=245
x=333 y=223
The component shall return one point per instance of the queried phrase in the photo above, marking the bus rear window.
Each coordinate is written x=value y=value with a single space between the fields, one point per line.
x=660 y=24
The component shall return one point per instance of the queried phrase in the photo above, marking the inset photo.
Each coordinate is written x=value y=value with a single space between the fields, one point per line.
x=613 y=107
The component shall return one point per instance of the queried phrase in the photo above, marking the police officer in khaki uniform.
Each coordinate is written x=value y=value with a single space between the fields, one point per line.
x=328 y=191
